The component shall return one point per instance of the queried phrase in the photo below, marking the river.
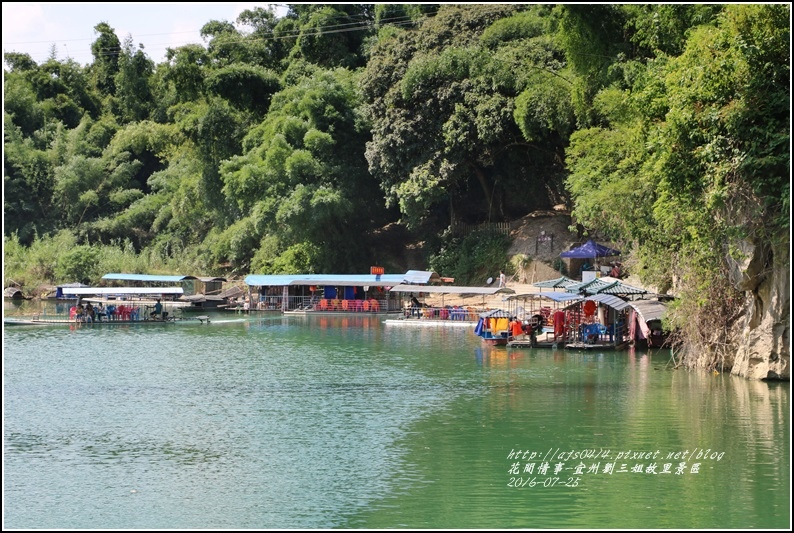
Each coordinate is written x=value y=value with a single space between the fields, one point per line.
x=275 y=422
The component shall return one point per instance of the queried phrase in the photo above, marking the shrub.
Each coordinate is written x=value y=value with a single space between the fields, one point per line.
x=472 y=259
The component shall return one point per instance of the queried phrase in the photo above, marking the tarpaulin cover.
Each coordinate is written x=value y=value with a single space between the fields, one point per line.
x=590 y=249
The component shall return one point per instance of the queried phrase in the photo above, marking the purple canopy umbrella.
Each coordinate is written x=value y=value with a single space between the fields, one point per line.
x=590 y=249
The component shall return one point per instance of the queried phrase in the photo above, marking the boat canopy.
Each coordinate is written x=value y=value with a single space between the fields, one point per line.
x=556 y=283
x=59 y=289
x=339 y=280
x=496 y=313
x=450 y=289
x=555 y=296
x=82 y=291
x=649 y=309
x=604 y=285
x=332 y=280
x=148 y=278
x=422 y=277
x=609 y=300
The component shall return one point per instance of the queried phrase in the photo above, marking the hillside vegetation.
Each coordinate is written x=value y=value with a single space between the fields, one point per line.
x=300 y=144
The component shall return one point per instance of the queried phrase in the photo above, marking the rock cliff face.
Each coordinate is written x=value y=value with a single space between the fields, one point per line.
x=763 y=350
x=759 y=345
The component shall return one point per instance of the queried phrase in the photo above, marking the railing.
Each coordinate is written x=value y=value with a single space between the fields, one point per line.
x=369 y=305
x=461 y=228
x=340 y=305
x=129 y=312
x=465 y=314
x=597 y=332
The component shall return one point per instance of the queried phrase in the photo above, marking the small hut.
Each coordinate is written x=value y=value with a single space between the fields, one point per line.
x=645 y=323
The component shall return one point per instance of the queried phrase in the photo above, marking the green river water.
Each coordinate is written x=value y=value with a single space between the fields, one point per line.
x=271 y=422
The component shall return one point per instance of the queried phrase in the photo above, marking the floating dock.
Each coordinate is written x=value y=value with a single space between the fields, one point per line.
x=527 y=343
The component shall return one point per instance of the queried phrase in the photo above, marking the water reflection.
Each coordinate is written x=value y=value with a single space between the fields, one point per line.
x=11 y=306
x=275 y=421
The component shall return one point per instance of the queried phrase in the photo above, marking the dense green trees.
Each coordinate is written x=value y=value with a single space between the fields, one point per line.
x=448 y=105
x=283 y=144
x=302 y=178
x=700 y=149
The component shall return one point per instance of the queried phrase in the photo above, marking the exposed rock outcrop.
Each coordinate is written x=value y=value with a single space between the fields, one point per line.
x=757 y=346
x=763 y=350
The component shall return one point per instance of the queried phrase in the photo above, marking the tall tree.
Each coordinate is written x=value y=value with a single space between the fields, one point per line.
x=445 y=138
x=28 y=184
x=331 y=35
x=106 y=50
x=132 y=82
x=303 y=180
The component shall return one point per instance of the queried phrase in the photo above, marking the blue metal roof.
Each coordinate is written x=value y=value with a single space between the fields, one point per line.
x=148 y=278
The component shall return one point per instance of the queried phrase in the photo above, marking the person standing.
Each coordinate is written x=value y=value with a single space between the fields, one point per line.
x=516 y=328
x=502 y=279
x=415 y=307
x=559 y=325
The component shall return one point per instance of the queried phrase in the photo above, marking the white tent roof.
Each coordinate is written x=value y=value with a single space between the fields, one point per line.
x=556 y=296
x=451 y=289
x=122 y=290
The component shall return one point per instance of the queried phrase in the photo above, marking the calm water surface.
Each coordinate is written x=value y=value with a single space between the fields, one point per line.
x=290 y=422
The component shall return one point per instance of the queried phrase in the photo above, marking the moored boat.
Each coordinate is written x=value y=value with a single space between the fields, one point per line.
x=113 y=306
x=57 y=321
x=492 y=327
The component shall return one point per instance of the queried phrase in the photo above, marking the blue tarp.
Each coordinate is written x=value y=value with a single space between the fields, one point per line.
x=589 y=250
